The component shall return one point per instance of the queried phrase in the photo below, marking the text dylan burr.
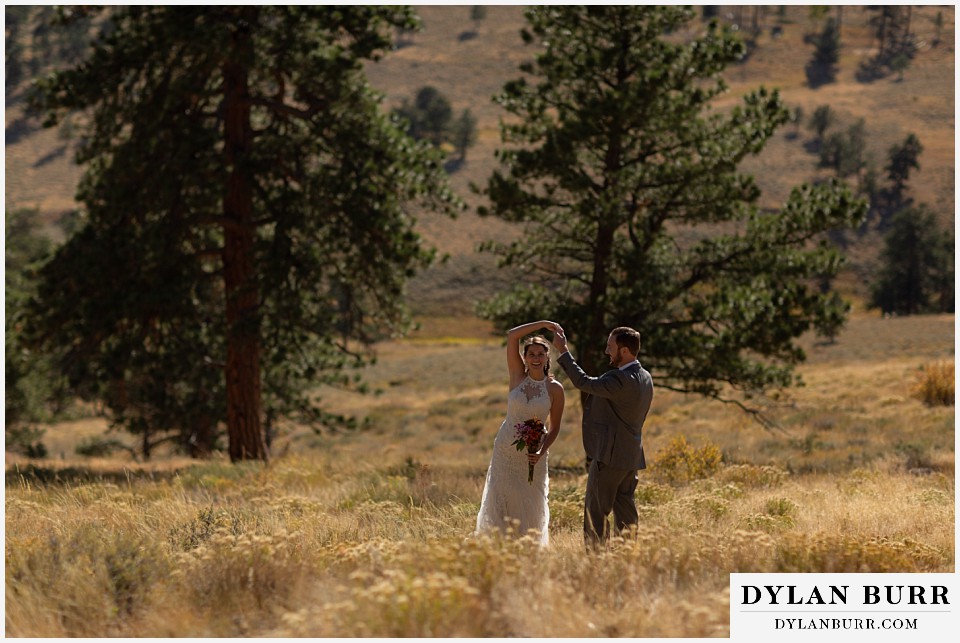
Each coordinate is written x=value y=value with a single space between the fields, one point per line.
x=837 y=595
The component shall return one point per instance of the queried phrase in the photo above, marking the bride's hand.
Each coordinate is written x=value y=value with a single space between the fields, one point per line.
x=534 y=458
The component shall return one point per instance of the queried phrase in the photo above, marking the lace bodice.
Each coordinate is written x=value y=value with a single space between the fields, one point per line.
x=529 y=399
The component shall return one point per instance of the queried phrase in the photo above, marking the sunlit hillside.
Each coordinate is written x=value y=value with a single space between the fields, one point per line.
x=469 y=61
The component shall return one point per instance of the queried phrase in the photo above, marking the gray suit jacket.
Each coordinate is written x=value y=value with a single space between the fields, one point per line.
x=613 y=413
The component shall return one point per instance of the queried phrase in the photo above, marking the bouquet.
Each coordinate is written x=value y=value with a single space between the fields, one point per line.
x=529 y=434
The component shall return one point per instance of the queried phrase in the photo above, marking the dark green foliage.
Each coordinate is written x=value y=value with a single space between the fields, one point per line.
x=897 y=45
x=464 y=133
x=899 y=64
x=901 y=160
x=247 y=229
x=821 y=119
x=822 y=68
x=844 y=151
x=98 y=447
x=636 y=214
x=887 y=200
x=918 y=258
x=31 y=386
x=24 y=439
x=429 y=116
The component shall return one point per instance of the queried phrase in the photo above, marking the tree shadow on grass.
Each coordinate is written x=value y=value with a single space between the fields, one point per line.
x=49 y=476
x=452 y=165
x=19 y=129
x=52 y=156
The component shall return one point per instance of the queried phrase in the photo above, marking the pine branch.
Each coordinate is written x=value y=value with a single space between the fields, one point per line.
x=280 y=107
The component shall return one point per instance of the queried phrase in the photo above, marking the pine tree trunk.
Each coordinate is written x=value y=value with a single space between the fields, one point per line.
x=591 y=355
x=597 y=331
x=243 y=340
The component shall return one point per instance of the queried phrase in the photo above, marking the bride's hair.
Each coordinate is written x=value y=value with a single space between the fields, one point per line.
x=537 y=339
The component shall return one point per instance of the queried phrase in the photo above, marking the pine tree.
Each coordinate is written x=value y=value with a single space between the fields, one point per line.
x=823 y=67
x=902 y=159
x=246 y=214
x=622 y=176
x=428 y=117
x=478 y=14
x=844 y=151
x=464 y=133
x=29 y=383
x=821 y=119
x=917 y=273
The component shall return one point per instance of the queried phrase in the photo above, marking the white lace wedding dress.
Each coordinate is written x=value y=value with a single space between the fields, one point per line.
x=507 y=496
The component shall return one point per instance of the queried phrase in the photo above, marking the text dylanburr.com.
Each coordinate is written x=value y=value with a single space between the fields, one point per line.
x=844 y=607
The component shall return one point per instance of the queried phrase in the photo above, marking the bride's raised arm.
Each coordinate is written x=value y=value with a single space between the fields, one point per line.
x=514 y=335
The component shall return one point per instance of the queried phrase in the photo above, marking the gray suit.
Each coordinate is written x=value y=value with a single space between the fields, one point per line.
x=613 y=415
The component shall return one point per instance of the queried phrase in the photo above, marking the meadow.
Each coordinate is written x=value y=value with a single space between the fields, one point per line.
x=368 y=533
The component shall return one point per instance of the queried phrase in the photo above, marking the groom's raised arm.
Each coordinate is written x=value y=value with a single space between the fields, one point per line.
x=609 y=385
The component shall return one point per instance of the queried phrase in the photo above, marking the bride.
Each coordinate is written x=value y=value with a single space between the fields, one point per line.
x=509 y=499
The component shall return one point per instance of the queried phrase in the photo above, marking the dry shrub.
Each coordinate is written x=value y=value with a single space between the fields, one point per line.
x=710 y=508
x=859 y=482
x=822 y=553
x=935 y=384
x=396 y=603
x=85 y=584
x=439 y=588
x=766 y=523
x=778 y=514
x=566 y=507
x=652 y=494
x=680 y=462
x=207 y=522
x=233 y=571
x=783 y=507
x=752 y=476
x=663 y=556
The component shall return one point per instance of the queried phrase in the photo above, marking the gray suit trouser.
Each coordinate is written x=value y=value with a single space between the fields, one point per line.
x=608 y=490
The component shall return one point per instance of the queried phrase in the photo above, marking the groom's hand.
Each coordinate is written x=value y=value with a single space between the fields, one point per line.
x=560 y=340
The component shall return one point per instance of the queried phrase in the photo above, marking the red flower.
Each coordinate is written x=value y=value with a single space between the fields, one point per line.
x=529 y=435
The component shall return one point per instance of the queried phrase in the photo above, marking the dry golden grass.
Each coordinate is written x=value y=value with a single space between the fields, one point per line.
x=368 y=534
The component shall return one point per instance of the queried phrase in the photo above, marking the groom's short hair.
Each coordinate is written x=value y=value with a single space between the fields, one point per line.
x=627 y=338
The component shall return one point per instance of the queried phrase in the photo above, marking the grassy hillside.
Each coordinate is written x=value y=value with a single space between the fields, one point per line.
x=469 y=69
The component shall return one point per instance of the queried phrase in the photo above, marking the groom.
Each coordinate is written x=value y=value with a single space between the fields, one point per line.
x=614 y=410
